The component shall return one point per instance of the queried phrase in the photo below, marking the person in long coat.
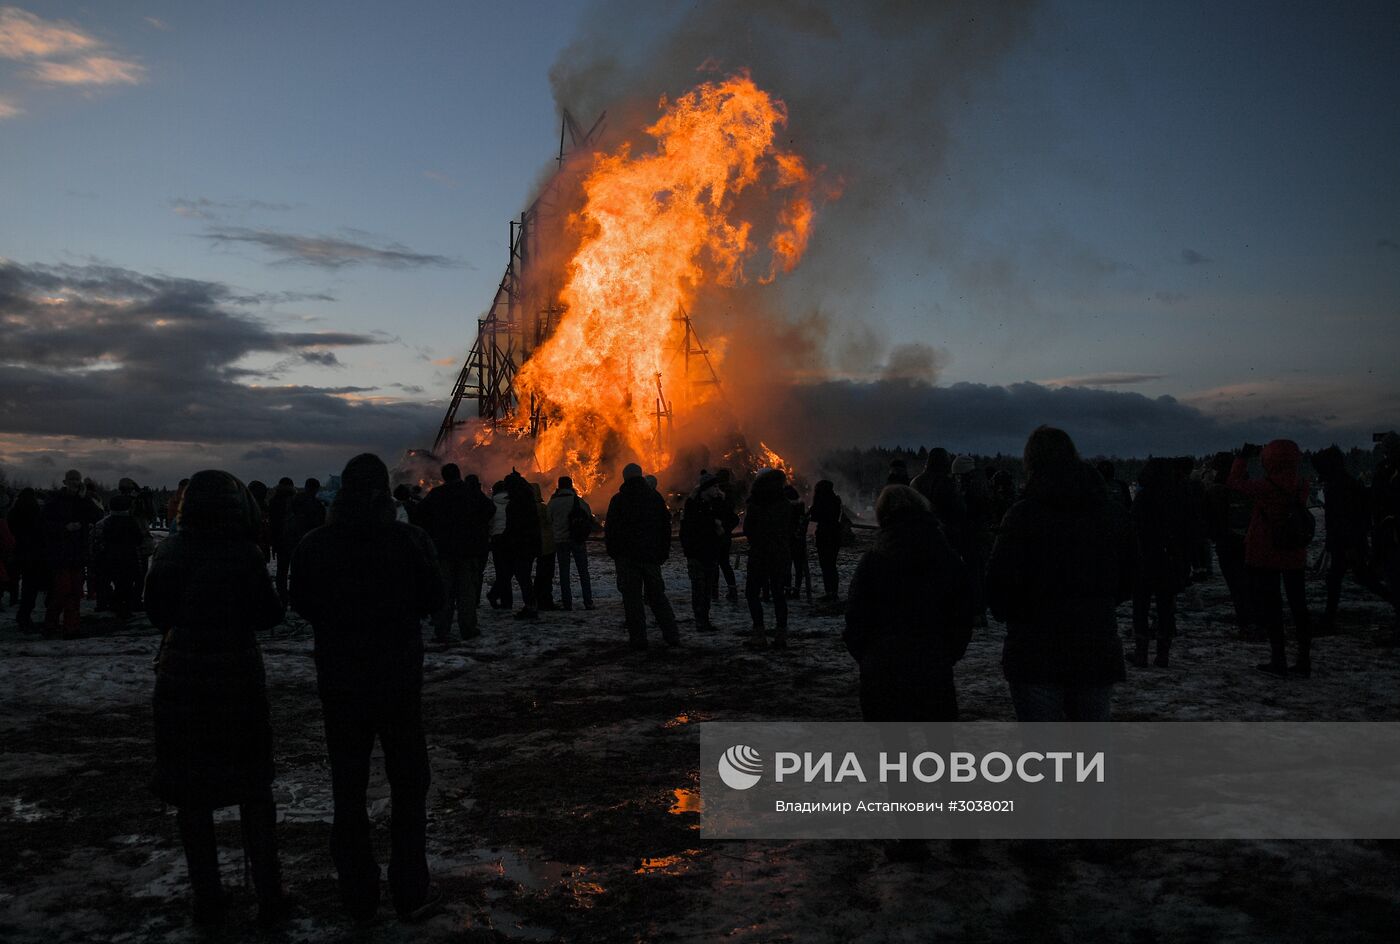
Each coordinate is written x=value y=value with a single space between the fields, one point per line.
x=1062 y=562
x=209 y=593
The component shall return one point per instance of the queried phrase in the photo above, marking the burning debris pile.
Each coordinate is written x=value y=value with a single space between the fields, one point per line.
x=620 y=373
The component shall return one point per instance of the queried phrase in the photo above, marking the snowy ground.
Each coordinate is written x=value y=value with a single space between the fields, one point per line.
x=563 y=798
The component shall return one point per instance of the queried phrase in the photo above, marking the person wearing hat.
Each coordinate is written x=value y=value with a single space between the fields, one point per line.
x=572 y=522
x=68 y=519
x=365 y=581
x=637 y=534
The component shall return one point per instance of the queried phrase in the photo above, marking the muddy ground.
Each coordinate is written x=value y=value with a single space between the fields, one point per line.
x=564 y=802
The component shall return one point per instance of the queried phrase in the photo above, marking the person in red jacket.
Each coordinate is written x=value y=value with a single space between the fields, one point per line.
x=1267 y=558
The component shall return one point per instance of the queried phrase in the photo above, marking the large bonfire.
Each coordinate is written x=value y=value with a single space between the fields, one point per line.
x=654 y=230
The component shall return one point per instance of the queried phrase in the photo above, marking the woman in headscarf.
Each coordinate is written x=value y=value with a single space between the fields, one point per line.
x=208 y=592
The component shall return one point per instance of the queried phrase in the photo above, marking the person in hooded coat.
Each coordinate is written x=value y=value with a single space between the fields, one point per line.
x=768 y=527
x=908 y=614
x=1061 y=564
x=209 y=593
x=365 y=581
x=637 y=534
x=826 y=515
x=1267 y=562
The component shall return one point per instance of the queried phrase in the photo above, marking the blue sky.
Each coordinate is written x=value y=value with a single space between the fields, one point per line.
x=1194 y=200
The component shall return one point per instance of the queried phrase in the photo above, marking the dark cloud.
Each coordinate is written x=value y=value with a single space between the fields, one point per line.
x=989 y=419
x=1118 y=379
x=321 y=358
x=1192 y=257
x=265 y=454
x=326 y=252
x=1385 y=242
x=103 y=352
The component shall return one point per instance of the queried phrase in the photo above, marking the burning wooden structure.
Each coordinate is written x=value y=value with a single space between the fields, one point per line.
x=588 y=347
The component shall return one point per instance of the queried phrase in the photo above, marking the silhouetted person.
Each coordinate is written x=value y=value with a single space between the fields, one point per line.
x=1117 y=488
x=68 y=516
x=500 y=596
x=1272 y=553
x=172 y=507
x=1061 y=564
x=799 y=572
x=521 y=541
x=261 y=496
x=936 y=484
x=1347 y=523
x=544 y=563
x=1227 y=515
x=572 y=521
x=702 y=532
x=365 y=581
x=458 y=518
x=1385 y=516
x=637 y=533
x=826 y=515
x=277 y=507
x=208 y=592
x=730 y=519
x=1160 y=545
x=768 y=527
x=898 y=474
x=972 y=491
x=29 y=566
x=124 y=541
x=908 y=614
x=908 y=622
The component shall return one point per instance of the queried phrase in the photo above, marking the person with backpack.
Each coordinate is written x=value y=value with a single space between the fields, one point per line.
x=572 y=521
x=1276 y=548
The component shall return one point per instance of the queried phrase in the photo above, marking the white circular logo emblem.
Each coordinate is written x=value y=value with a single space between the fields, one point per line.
x=740 y=767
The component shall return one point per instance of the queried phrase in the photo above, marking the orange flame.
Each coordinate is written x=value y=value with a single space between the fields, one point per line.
x=772 y=460
x=654 y=229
